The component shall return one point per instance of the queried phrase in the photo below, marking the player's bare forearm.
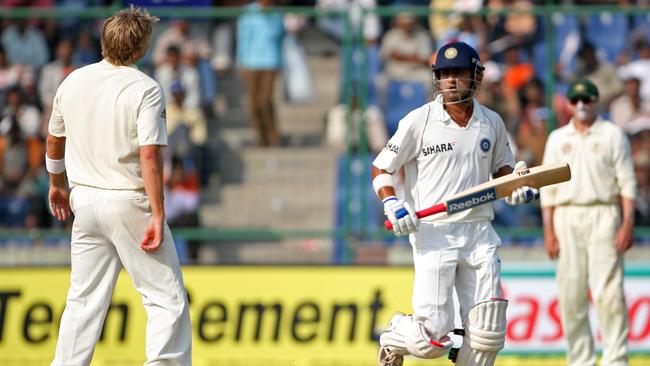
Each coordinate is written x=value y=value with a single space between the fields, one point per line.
x=547 y=219
x=627 y=208
x=55 y=149
x=386 y=191
x=551 y=243
x=152 y=174
x=504 y=170
x=58 y=195
x=625 y=234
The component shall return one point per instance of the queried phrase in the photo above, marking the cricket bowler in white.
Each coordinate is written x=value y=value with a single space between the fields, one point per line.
x=106 y=133
x=588 y=226
x=447 y=146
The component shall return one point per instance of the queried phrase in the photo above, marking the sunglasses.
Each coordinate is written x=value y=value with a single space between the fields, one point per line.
x=584 y=100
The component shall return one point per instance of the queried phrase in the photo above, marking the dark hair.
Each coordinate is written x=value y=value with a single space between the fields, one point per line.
x=586 y=49
x=173 y=49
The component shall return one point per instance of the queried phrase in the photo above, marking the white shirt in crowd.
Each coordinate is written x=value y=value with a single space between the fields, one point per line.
x=106 y=113
x=441 y=159
x=189 y=78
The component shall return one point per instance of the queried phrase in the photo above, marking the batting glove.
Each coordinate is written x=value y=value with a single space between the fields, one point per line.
x=401 y=215
x=523 y=194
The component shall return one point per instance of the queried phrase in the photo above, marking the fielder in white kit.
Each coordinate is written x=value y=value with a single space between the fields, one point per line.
x=588 y=226
x=106 y=133
x=446 y=146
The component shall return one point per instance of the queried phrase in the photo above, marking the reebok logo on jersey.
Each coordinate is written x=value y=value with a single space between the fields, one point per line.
x=473 y=200
x=434 y=149
x=392 y=147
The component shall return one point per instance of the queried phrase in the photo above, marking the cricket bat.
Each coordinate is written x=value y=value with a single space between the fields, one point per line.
x=502 y=187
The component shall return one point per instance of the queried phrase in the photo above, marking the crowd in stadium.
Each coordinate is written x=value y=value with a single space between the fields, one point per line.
x=187 y=59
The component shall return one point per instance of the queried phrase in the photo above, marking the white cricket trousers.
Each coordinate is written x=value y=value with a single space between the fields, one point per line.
x=107 y=230
x=588 y=259
x=460 y=255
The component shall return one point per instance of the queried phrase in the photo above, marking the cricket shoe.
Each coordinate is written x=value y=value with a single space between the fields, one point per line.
x=389 y=358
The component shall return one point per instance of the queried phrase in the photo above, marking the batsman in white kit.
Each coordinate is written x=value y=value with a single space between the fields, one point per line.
x=106 y=133
x=447 y=146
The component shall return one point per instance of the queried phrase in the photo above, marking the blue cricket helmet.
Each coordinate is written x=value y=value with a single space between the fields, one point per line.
x=457 y=55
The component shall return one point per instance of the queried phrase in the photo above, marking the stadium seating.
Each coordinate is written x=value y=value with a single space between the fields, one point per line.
x=566 y=28
x=608 y=33
x=402 y=97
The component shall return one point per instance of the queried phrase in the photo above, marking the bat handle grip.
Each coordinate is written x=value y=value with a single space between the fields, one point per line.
x=440 y=207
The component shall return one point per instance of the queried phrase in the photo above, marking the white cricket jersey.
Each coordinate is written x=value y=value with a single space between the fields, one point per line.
x=441 y=159
x=106 y=113
x=601 y=164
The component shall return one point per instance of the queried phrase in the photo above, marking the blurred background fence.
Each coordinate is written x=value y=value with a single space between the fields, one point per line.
x=236 y=195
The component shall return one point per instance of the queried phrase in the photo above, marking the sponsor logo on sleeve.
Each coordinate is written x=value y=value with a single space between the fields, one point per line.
x=392 y=147
x=470 y=201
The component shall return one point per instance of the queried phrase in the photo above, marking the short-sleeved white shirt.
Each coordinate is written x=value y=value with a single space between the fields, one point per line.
x=441 y=159
x=602 y=169
x=106 y=113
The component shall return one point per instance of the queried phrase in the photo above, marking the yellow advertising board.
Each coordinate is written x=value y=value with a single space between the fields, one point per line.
x=240 y=315
x=277 y=316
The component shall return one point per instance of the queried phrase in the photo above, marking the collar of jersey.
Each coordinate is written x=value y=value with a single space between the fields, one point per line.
x=104 y=62
x=571 y=128
x=443 y=116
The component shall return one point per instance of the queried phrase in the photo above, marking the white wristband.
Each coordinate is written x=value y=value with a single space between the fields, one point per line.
x=54 y=166
x=381 y=181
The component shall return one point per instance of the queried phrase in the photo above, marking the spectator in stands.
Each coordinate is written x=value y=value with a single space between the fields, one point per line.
x=639 y=68
x=442 y=24
x=53 y=34
x=521 y=25
x=180 y=115
x=26 y=115
x=532 y=128
x=222 y=41
x=259 y=58
x=182 y=199
x=195 y=51
x=25 y=44
x=406 y=49
x=173 y=69
x=601 y=73
x=180 y=36
x=629 y=107
x=12 y=75
x=334 y=25
x=496 y=96
x=337 y=126
x=9 y=74
x=87 y=51
x=517 y=71
x=15 y=164
x=515 y=29
x=14 y=169
x=188 y=130
x=464 y=29
x=53 y=74
x=642 y=171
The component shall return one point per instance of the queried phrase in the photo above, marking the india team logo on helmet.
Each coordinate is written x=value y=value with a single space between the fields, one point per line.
x=450 y=53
